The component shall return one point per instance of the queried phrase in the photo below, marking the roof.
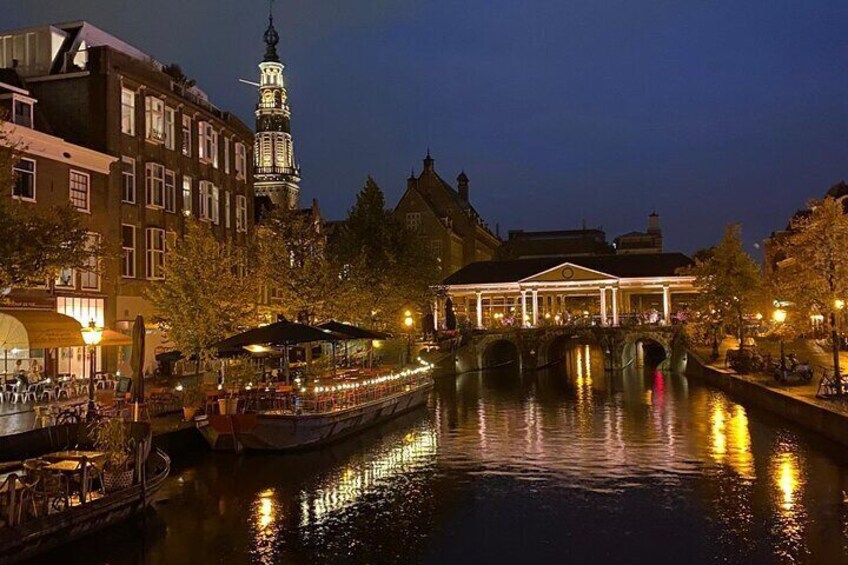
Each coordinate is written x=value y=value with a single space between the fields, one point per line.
x=622 y=266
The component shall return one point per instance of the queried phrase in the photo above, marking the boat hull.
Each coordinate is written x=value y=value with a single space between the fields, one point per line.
x=43 y=534
x=284 y=432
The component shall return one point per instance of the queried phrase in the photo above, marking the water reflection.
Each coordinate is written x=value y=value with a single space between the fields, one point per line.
x=510 y=467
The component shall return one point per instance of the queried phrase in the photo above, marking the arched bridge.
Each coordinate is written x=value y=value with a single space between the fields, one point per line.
x=536 y=348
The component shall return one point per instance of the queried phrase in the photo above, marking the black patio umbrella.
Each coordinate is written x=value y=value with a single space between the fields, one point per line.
x=278 y=334
x=351 y=332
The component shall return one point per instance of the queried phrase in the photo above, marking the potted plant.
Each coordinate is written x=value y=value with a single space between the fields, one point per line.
x=111 y=436
x=239 y=373
x=192 y=398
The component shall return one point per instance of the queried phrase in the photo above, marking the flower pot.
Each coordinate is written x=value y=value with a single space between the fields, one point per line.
x=228 y=406
x=117 y=480
x=189 y=412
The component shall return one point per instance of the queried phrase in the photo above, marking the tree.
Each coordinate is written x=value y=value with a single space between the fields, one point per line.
x=207 y=293
x=385 y=265
x=812 y=271
x=36 y=242
x=293 y=262
x=729 y=282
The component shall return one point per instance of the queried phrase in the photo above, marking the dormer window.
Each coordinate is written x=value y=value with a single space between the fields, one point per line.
x=22 y=111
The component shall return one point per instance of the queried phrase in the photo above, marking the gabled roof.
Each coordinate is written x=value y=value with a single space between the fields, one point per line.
x=620 y=266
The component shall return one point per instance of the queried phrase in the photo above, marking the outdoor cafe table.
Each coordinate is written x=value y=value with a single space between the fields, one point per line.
x=74 y=455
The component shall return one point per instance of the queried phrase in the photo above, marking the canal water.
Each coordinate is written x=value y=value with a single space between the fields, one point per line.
x=566 y=466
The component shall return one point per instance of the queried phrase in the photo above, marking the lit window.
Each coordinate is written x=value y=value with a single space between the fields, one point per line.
x=227 y=209
x=90 y=273
x=128 y=247
x=155 y=185
x=241 y=160
x=128 y=179
x=170 y=191
x=214 y=204
x=208 y=196
x=186 y=142
x=154 y=115
x=22 y=111
x=413 y=221
x=208 y=143
x=79 y=190
x=241 y=213
x=155 y=269
x=65 y=279
x=24 y=187
x=187 y=194
x=170 y=127
x=127 y=111
x=227 y=155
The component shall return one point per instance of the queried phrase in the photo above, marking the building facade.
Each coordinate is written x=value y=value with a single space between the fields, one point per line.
x=276 y=173
x=175 y=154
x=445 y=219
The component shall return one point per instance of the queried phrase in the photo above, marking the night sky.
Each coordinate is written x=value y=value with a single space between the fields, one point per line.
x=558 y=111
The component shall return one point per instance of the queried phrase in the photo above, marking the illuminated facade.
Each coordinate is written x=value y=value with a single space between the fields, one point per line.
x=276 y=174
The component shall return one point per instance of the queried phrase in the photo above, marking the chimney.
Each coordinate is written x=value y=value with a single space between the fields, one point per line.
x=654 y=223
x=462 y=186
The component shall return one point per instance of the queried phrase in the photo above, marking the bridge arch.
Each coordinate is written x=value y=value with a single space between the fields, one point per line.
x=499 y=351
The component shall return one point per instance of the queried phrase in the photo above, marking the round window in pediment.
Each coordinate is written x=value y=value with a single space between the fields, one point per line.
x=568 y=273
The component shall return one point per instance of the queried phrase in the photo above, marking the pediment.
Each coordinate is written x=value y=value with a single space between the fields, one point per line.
x=566 y=272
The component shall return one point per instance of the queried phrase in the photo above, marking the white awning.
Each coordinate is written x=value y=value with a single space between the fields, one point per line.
x=38 y=329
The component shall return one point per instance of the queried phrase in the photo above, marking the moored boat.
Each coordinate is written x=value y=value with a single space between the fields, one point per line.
x=320 y=414
x=22 y=539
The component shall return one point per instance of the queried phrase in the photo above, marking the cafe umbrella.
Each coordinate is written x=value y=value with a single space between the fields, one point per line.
x=137 y=362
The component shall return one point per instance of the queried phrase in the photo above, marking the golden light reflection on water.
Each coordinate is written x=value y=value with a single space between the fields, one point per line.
x=266 y=525
x=345 y=488
x=788 y=480
x=730 y=437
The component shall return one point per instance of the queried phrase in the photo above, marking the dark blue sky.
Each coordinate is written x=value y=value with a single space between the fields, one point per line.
x=707 y=111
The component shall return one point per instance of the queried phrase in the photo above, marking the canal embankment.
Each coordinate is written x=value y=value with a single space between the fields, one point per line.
x=826 y=417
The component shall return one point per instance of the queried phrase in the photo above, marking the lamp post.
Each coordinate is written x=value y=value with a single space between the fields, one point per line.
x=408 y=322
x=779 y=316
x=91 y=335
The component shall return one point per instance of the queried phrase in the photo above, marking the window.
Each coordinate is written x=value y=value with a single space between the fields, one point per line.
x=24 y=187
x=227 y=209
x=208 y=143
x=155 y=185
x=187 y=194
x=170 y=127
x=154 y=115
x=22 y=111
x=128 y=179
x=170 y=191
x=155 y=269
x=79 y=190
x=241 y=213
x=186 y=141
x=214 y=204
x=90 y=274
x=128 y=247
x=127 y=111
x=413 y=220
x=204 y=208
x=227 y=155
x=436 y=247
x=241 y=160
x=65 y=279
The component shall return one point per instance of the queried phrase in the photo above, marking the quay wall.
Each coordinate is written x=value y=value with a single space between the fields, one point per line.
x=822 y=420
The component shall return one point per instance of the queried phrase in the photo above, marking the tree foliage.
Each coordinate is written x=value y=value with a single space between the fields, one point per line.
x=207 y=293
x=729 y=282
x=385 y=266
x=36 y=242
x=293 y=263
x=812 y=269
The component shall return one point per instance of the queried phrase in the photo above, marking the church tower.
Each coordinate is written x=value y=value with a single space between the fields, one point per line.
x=275 y=174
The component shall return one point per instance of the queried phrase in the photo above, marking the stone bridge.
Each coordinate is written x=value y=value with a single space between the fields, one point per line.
x=536 y=348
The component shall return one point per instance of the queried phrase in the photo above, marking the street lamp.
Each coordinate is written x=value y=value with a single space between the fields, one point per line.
x=779 y=316
x=92 y=335
x=408 y=322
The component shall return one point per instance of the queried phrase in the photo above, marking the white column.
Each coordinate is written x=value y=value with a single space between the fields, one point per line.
x=666 y=304
x=535 y=307
x=436 y=313
x=479 y=310
x=523 y=308
x=615 y=306
x=603 y=306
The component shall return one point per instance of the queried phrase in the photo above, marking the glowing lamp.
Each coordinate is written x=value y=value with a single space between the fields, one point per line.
x=839 y=303
x=408 y=321
x=92 y=335
x=257 y=348
x=779 y=315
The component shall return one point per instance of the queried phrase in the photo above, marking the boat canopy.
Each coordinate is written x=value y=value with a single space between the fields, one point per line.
x=352 y=332
x=38 y=329
x=278 y=334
